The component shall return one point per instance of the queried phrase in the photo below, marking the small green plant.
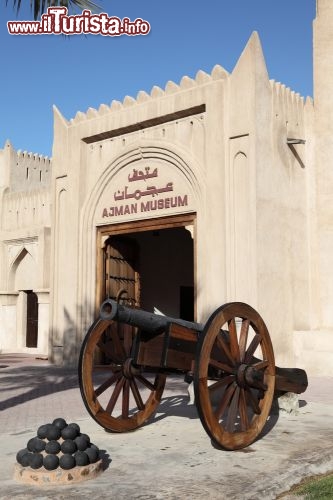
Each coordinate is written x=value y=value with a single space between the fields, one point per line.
x=316 y=488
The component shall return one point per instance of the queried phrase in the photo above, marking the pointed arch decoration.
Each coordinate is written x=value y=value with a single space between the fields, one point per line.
x=22 y=272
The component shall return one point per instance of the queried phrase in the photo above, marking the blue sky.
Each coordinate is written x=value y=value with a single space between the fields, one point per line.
x=79 y=72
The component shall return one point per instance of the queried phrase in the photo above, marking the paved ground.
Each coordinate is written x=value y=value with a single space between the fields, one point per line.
x=172 y=458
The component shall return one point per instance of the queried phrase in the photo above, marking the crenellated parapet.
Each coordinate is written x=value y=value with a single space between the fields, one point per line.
x=171 y=88
x=23 y=170
x=31 y=171
x=288 y=107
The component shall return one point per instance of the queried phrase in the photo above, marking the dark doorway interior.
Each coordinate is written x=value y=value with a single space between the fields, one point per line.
x=186 y=301
x=153 y=270
x=32 y=319
x=167 y=272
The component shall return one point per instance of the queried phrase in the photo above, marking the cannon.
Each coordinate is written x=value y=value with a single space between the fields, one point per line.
x=127 y=354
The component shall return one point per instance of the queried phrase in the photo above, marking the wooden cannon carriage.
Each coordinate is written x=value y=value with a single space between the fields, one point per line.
x=127 y=354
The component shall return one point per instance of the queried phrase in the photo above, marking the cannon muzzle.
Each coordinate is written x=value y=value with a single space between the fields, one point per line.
x=110 y=310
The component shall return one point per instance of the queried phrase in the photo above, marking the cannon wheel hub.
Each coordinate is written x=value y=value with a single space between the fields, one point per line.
x=249 y=376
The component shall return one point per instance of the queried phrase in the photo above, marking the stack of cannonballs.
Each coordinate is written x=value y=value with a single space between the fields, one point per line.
x=58 y=445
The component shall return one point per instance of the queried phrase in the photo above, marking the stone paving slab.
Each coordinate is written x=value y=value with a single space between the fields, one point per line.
x=171 y=458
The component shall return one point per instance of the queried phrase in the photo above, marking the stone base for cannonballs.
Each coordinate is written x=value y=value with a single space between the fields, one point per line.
x=43 y=477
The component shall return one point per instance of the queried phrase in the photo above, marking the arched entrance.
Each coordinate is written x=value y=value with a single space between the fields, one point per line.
x=22 y=279
x=149 y=264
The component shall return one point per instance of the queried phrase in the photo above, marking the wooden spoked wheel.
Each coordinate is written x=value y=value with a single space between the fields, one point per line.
x=234 y=378
x=118 y=395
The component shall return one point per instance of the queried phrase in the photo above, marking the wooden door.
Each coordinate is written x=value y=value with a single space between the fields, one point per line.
x=121 y=282
x=121 y=279
x=32 y=319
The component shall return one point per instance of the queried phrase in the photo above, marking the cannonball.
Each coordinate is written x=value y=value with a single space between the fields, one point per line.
x=36 y=461
x=52 y=447
x=20 y=454
x=68 y=446
x=67 y=461
x=53 y=433
x=69 y=432
x=51 y=462
x=92 y=445
x=81 y=458
x=32 y=443
x=76 y=426
x=42 y=431
x=25 y=459
x=81 y=443
x=39 y=445
x=60 y=423
x=93 y=455
x=85 y=436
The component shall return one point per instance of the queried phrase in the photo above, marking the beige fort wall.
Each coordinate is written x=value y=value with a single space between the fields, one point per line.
x=315 y=346
x=248 y=188
x=24 y=246
x=272 y=114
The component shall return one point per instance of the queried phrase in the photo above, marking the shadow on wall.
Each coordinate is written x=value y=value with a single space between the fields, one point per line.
x=64 y=348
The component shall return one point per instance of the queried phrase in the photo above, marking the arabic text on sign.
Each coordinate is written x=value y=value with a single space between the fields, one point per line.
x=137 y=194
x=139 y=175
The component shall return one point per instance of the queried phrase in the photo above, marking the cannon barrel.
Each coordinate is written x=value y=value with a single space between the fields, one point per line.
x=150 y=322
